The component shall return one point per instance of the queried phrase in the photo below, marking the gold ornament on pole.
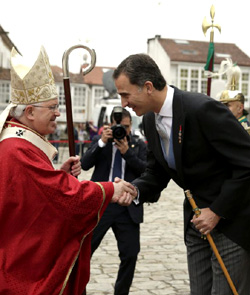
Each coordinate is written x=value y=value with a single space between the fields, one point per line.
x=210 y=57
x=206 y=25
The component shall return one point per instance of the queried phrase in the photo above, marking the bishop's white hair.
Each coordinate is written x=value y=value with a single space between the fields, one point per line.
x=17 y=112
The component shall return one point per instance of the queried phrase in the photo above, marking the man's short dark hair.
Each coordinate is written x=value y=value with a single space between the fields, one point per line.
x=140 y=68
x=125 y=114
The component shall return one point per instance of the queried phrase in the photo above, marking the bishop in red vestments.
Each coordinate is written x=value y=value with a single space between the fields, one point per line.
x=46 y=215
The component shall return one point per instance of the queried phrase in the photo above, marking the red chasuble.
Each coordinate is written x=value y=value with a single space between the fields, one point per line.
x=46 y=220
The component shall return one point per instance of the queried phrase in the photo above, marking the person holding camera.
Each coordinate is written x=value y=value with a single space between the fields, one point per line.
x=91 y=129
x=117 y=153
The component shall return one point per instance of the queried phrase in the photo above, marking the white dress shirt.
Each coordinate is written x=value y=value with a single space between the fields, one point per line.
x=114 y=149
x=167 y=111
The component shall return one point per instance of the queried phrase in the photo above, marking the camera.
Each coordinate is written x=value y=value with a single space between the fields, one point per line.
x=119 y=132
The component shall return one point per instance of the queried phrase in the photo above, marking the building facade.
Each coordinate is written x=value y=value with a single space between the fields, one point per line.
x=182 y=64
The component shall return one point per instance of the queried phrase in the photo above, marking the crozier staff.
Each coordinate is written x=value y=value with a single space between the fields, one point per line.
x=66 y=83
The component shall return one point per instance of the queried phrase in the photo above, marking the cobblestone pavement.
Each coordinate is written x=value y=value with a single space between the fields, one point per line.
x=162 y=265
x=161 y=268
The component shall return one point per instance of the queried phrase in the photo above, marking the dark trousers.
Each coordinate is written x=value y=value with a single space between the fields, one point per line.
x=206 y=275
x=127 y=234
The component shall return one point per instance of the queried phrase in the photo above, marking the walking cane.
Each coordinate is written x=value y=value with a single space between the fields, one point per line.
x=197 y=212
x=66 y=83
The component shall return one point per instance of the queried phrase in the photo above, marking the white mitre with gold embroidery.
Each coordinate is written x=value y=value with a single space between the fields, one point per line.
x=29 y=84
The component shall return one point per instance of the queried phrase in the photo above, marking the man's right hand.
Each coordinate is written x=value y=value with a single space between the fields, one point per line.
x=124 y=192
x=106 y=133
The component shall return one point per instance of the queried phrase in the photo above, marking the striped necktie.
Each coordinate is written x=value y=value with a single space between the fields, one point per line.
x=166 y=142
x=163 y=134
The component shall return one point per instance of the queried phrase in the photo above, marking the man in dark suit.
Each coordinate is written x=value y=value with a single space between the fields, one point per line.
x=125 y=222
x=204 y=149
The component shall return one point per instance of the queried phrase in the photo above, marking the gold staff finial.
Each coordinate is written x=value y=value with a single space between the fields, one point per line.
x=206 y=25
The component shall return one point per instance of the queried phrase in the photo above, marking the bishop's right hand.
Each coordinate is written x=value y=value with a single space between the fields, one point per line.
x=124 y=192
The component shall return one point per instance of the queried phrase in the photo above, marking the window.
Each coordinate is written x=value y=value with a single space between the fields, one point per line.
x=179 y=41
x=189 y=52
x=183 y=85
x=194 y=74
x=192 y=79
x=99 y=93
x=204 y=87
x=244 y=90
x=245 y=77
x=80 y=96
x=245 y=85
x=194 y=86
x=223 y=55
x=4 y=92
x=61 y=97
x=184 y=73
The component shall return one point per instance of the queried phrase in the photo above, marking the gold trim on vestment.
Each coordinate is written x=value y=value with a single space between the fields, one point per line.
x=73 y=263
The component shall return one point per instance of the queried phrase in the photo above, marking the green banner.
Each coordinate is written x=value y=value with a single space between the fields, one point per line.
x=210 y=57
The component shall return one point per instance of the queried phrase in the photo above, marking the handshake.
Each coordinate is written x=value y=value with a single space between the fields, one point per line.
x=124 y=192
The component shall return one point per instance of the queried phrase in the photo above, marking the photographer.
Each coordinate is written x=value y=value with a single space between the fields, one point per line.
x=91 y=129
x=115 y=146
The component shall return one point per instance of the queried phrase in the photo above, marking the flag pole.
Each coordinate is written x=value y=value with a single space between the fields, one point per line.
x=210 y=57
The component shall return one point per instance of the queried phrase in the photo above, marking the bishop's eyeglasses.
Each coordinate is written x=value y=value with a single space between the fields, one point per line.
x=52 y=108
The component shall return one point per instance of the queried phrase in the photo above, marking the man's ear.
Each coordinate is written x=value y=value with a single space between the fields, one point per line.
x=241 y=107
x=149 y=87
x=29 y=112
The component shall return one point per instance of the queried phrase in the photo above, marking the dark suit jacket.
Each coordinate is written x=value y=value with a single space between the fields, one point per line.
x=101 y=159
x=212 y=154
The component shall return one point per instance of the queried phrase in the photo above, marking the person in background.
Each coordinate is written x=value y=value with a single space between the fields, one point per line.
x=235 y=103
x=77 y=146
x=232 y=97
x=82 y=136
x=102 y=127
x=91 y=129
x=124 y=221
x=46 y=215
x=196 y=141
x=54 y=138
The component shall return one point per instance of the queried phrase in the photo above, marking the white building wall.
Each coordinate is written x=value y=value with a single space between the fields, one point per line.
x=4 y=55
x=156 y=51
x=171 y=71
x=174 y=75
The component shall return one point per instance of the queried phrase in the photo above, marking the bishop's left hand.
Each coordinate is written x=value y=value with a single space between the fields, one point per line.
x=72 y=166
